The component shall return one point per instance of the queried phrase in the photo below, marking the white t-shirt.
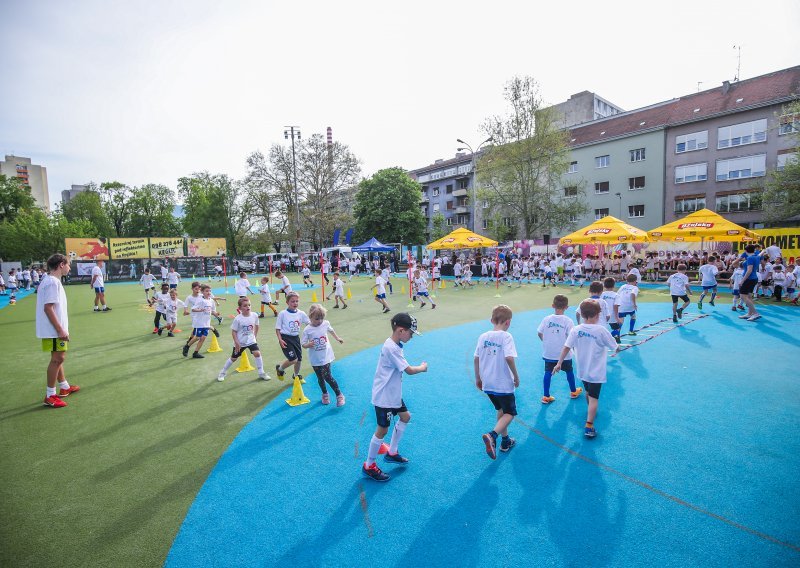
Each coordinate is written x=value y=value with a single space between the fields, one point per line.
x=245 y=328
x=635 y=272
x=709 y=273
x=608 y=298
x=289 y=323
x=322 y=352
x=306 y=271
x=161 y=301
x=338 y=287
x=591 y=343
x=387 y=386
x=242 y=287
x=51 y=292
x=164 y=272
x=97 y=277
x=773 y=251
x=381 y=284
x=266 y=296
x=286 y=286
x=605 y=312
x=147 y=281
x=191 y=301
x=421 y=284
x=173 y=277
x=492 y=349
x=791 y=280
x=736 y=277
x=677 y=284
x=457 y=269
x=172 y=307
x=625 y=298
x=202 y=318
x=554 y=329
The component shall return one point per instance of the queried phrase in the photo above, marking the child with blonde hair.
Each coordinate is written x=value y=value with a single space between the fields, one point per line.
x=320 y=352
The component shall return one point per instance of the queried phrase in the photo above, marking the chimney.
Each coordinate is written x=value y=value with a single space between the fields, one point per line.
x=438 y=161
x=726 y=86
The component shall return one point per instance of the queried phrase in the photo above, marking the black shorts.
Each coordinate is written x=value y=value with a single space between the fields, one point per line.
x=748 y=286
x=505 y=402
x=384 y=415
x=292 y=350
x=675 y=298
x=592 y=389
x=253 y=348
x=566 y=365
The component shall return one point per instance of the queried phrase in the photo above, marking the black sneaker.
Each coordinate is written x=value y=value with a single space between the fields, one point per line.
x=674 y=319
x=507 y=447
x=335 y=307
x=160 y=330
x=386 y=310
x=711 y=302
x=261 y=315
x=344 y=307
x=374 y=472
x=106 y=309
x=396 y=458
x=196 y=355
x=185 y=350
x=215 y=332
x=680 y=313
x=280 y=372
x=219 y=320
x=170 y=334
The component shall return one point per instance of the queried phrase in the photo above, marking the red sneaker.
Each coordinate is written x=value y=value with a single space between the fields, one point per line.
x=54 y=401
x=69 y=391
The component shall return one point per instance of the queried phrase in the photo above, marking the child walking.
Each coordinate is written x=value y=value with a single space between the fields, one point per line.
x=625 y=304
x=553 y=331
x=679 y=288
x=591 y=342
x=338 y=291
x=244 y=331
x=387 y=395
x=287 y=328
x=496 y=375
x=708 y=272
x=320 y=352
x=266 y=297
x=147 y=281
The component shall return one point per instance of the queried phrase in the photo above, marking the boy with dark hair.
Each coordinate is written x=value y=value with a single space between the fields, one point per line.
x=625 y=304
x=679 y=288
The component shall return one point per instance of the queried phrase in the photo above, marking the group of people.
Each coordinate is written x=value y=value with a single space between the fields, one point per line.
x=24 y=279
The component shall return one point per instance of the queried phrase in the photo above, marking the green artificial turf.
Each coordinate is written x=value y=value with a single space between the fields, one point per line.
x=107 y=480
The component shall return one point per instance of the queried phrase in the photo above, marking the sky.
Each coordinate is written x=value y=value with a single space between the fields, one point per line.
x=147 y=92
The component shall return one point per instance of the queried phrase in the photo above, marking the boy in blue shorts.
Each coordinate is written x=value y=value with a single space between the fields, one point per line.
x=201 y=311
x=387 y=395
x=625 y=304
x=496 y=375
x=553 y=332
x=380 y=290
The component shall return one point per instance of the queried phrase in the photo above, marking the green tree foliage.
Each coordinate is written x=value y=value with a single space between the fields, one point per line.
x=781 y=197
x=151 y=215
x=216 y=206
x=520 y=175
x=14 y=198
x=387 y=208
x=115 y=197
x=498 y=230
x=438 y=226
x=34 y=236
x=269 y=181
x=87 y=206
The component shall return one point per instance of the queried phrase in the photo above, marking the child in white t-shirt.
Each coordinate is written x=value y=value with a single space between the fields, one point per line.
x=307 y=276
x=285 y=286
x=553 y=331
x=320 y=352
x=708 y=273
x=625 y=304
x=421 y=289
x=287 y=328
x=242 y=286
x=679 y=289
x=387 y=395
x=338 y=291
x=173 y=304
x=380 y=290
x=147 y=280
x=244 y=330
x=173 y=278
x=736 y=281
x=202 y=310
x=496 y=375
x=160 y=300
x=609 y=298
x=591 y=342
x=266 y=297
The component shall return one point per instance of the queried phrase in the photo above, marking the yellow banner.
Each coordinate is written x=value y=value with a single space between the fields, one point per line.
x=206 y=247
x=161 y=247
x=86 y=249
x=788 y=240
x=128 y=248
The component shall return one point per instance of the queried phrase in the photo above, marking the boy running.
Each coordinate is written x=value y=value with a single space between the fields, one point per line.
x=147 y=281
x=287 y=328
x=679 y=289
x=625 y=304
x=708 y=272
x=244 y=331
x=421 y=289
x=285 y=285
x=266 y=297
x=202 y=310
x=172 y=306
x=380 y=290
x=338 y=291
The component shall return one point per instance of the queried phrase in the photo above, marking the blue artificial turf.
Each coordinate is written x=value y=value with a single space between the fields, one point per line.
x=694 y=464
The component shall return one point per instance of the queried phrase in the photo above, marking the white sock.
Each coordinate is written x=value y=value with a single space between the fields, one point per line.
x=104 y=306
x=374 y=448
x=51 y=391
x=63 y=384
x=227 y=366
x=397 y=435
x=259 y=364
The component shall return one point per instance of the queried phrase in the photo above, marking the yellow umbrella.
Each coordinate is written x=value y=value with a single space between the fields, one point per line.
x=608 y=230
x=702 y=225
x=461 y=239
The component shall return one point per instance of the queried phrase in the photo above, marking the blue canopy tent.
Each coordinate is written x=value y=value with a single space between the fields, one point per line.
x=373 y=245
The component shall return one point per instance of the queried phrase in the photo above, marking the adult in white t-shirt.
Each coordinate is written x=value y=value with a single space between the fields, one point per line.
x=98 y=285
x=773 y=251
x=52 y=327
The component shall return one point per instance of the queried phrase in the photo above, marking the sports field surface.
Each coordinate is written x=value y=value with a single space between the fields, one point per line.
x=156 y=462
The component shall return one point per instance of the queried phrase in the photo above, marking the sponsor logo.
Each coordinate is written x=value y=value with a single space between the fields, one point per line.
x=474 y=239
x=695 y=225
x=656 y=233
x=602 y=231
x=733 y=232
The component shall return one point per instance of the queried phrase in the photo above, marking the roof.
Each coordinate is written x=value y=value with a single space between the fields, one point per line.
x=772 y=88
x=465 y=159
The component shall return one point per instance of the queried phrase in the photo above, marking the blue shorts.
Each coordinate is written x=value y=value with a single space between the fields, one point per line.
x=100 y=290
x=380 y=296
x=736 y=293
x=171 y=286
x=623 y=314
x=200 y=332
x=707 y=288
x=422 y=294
x=790 y=290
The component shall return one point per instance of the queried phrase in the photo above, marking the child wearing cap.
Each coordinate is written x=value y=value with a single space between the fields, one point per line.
x=387 y=395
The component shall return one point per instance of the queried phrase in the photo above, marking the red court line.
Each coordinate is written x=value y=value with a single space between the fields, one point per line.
x=659 y=492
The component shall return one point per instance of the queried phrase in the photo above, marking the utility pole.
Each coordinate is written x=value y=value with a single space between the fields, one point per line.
x=294 y=132
x=474 y=174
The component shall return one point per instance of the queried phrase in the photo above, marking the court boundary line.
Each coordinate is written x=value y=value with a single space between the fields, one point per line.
x=625 y=346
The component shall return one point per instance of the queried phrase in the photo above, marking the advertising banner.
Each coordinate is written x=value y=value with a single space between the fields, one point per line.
x=163 y=247
x=129 y=248
x=189 y=267
x=211 y=262
x=86 y=249
x=788 y=240
x=128 y=269
x=206 y=247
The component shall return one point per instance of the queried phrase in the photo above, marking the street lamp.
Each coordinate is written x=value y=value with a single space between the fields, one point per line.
x=474 y=173
x=618 y=194
x=294 y=132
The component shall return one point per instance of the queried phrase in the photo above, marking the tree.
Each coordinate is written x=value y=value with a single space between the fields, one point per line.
x=14 y=198
x=520 y=175
x=115 y=197
x=151 y=208
x=500 y=230
x=781 y=196
x=87 y=206
x=32 y=235
x=387 y=208
x=269 y=181
x=438 y=228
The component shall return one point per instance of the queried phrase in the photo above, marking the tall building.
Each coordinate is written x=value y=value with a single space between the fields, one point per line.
x=68 y=194
x=584 y=107
x=33 y=176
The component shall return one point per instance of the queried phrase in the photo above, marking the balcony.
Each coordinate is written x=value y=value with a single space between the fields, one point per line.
x=462 y=209
x=423 y=200
x=460 y=193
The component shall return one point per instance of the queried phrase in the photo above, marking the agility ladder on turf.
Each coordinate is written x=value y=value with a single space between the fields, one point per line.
x=660 y=329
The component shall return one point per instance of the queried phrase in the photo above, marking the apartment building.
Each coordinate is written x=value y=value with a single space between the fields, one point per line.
x=35 y=177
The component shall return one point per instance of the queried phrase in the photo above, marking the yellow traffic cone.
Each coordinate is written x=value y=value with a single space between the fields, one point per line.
x=403 y=290
x=349 y=294
x=298 y=396
x=313 y=296
x=244 y=364
x=441 y=284
x=214 y=347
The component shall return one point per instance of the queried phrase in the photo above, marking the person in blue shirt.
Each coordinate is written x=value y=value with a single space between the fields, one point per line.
x=749 y=282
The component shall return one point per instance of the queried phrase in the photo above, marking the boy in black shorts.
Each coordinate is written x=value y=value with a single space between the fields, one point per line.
x=287 y=328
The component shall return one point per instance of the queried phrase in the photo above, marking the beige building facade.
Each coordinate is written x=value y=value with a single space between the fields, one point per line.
x=31 y=175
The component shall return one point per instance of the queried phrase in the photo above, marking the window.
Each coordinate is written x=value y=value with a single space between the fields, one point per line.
x=635 y=210
x=486 y=204
x=789 y=124
x=691 y=142
x=571 y=191
x=449 y=221
x=424 y=211
x=689 y=204
x=750 y=201
x=637 y=155
x=449 y=205
x=449 y=188
x=601 y=187
x=435 y=207
x=424 y=189
x=602 y=161
x=690 y=173
x=463 y=183
x=573 y=217
x=600 y=213
x=636 y=183
x=461 y=220
x=435 y=191
x=739 y=168
x=784 y=159
x=573 y=168
x=485 y=223
x=740 y=134
x=508 y=222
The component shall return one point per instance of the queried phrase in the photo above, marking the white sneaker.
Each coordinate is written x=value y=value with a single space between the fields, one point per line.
x=264 y=376
x=221 y=377
x=754 y=318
